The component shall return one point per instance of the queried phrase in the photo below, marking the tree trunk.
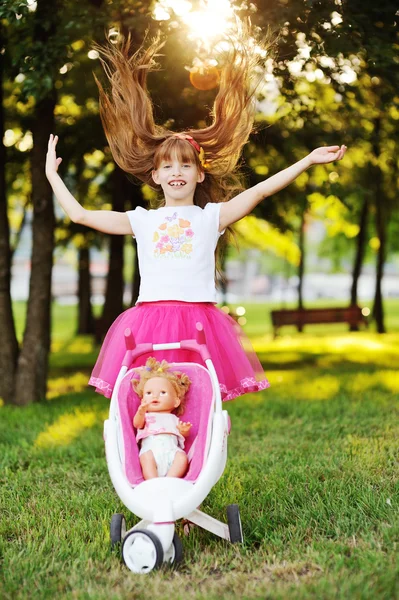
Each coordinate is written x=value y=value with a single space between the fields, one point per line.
x=380 y=222
x=85 y=310
x=378 y=309
x=113 y=304
x=31 y=378
x=301 y=266
x=359 y=257
x=9 y=344
x=86 y=321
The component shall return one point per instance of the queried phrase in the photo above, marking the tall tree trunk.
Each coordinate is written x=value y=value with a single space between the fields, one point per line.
x=378 y=308
x=86 y=321
x=113 y=304
x=85 y=309
x=9 y=344
x=359 y=256
x=301 y=266
x=380 y=223
x=31 y=380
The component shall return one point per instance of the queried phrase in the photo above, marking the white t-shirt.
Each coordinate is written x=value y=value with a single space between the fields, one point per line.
x=176 y=252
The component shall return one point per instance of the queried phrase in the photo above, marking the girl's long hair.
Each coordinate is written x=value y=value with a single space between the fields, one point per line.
x=138 y=144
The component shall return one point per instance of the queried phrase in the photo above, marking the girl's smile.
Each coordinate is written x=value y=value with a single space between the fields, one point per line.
x=177 y=183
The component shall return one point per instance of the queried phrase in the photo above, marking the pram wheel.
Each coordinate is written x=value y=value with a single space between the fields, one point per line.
x=142 y=551
x=234 y=523
x=117 y=529
x=175 y=553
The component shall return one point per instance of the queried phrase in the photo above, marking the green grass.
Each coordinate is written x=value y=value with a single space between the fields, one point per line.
x=313 y=464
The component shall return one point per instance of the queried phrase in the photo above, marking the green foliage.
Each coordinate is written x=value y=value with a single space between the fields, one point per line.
x=13 y=10
x=256 y=233
x=337 y=82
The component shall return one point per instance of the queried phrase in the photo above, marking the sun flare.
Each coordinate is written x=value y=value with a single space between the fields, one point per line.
x=213 y=19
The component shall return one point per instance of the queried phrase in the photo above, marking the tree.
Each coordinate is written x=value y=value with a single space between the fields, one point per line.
x=25 y=374
x=352 y=44
x=9 y=345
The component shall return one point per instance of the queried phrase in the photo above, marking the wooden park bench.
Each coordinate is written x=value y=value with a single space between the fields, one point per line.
x=306 y=316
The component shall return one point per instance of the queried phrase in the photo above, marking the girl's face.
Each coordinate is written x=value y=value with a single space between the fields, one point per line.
x=178 y=181
x=161 y=394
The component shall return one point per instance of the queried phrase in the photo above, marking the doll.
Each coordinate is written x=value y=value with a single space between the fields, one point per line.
x=160 y=433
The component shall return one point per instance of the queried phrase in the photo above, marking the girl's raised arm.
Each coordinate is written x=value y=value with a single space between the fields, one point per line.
x=240 y=206
x=107 y=221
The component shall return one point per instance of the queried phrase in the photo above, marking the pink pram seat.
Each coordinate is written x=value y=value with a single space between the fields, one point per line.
x=199 y=411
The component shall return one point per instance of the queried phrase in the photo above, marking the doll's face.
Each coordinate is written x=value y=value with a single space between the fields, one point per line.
x=161 y=394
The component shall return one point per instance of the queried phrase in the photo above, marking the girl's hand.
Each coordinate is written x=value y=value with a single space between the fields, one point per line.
x=326 y=154
x=184 y=428
x=52 y=162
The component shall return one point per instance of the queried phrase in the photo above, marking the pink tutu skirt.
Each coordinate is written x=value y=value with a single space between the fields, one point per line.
x=237 y=366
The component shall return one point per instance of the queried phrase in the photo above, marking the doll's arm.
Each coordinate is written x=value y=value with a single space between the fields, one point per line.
x=107 y=221
x=139 y=417
x=184 y=428
x=241 y=205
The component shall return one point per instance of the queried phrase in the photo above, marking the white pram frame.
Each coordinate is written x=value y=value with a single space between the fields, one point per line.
x=160 y=502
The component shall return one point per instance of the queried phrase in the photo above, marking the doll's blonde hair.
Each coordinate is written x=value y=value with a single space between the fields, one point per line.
x=180 y=381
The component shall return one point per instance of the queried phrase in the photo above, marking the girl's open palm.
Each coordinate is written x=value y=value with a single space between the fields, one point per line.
x=52 y=162
x=327 y=154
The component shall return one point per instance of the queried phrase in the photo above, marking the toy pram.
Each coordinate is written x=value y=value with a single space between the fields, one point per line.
x=161 y=501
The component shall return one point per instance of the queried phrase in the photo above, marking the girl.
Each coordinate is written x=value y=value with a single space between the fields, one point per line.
x=196 y=172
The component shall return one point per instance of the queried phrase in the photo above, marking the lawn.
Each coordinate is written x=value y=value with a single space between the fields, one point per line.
x=313 y=464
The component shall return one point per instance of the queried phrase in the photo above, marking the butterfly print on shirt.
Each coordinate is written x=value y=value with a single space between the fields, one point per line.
x=173 y=238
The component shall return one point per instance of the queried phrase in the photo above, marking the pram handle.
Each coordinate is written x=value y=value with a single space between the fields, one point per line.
x=133 y=351
x=200 y=335
x=130 y=342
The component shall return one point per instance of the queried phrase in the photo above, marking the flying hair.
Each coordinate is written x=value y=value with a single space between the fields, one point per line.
x=139 y=145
